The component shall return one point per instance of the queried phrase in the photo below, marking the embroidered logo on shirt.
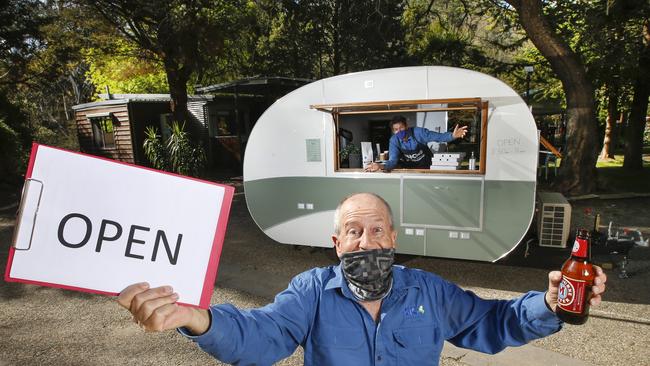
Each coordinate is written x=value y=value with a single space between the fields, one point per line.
x=413 y=312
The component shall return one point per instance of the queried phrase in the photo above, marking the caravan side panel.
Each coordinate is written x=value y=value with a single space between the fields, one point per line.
x=277 y=146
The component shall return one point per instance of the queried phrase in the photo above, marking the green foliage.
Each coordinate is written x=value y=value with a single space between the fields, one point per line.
x=15 y=141
x=444 y=33
x=20 y=35
x=320 y=38
x=349 y=149
x=185 y=159
x=182 y=35
x=154 y=149
x=125 y=70
x=177 y=154
x=14 y=157
x=42 y=78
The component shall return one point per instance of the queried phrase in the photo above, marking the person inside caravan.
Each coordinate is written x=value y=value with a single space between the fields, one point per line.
x=363 y=311
x=408 y=149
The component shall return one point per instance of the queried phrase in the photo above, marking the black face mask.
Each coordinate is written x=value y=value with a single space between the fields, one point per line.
x=369 y=273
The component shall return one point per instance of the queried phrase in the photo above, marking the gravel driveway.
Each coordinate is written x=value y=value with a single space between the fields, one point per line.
x=43 y=326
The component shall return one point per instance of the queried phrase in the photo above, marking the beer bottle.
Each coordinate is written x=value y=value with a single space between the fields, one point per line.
x=577 y=280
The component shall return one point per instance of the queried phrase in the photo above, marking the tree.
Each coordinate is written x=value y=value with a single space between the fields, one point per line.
x=181 y=34
x=321 y=38
x=577 y=173
x=448 y=33
x=14 y=139
x=606 y=35
x=54 y=78
x=634 y=134
x=20 y=41
x=123 y=70
x=20 y=37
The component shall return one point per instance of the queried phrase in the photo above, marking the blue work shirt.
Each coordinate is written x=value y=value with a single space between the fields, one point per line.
x=416 y=136
x=318 y=312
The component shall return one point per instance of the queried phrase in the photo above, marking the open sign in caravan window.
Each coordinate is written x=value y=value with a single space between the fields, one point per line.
x=363 y=132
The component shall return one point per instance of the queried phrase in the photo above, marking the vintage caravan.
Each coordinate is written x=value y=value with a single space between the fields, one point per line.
x=294 y=173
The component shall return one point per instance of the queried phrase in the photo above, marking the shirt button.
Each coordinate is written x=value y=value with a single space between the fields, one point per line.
x=378 y=358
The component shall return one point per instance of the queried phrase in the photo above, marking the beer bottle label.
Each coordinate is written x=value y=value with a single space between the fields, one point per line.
x=580 y=248
x=571 y=295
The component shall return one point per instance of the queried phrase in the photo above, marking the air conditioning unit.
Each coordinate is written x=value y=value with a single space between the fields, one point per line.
x=553 y=220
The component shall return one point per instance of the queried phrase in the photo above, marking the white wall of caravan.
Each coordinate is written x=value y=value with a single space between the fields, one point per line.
x=512 y=150
x=277 y=145
x=376 y=86
x=450 y=82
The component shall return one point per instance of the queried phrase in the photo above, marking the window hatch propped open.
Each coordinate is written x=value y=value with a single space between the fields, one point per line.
x=402 y=106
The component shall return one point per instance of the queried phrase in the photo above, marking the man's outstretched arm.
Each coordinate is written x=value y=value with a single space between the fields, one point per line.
x=491 y=325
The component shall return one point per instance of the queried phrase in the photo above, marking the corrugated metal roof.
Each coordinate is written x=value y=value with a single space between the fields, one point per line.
x=252 y=83
x=101 y=103
x=116 y=99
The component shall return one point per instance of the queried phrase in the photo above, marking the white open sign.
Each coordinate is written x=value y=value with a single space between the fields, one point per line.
x=96 y=225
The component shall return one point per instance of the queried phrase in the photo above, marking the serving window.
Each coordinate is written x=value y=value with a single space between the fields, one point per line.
x=363 y=131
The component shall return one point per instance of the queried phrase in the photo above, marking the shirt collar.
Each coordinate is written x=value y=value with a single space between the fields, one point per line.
x=401 y=280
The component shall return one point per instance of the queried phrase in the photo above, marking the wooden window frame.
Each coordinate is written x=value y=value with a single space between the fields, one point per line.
x=403 y=106
x=95 y=125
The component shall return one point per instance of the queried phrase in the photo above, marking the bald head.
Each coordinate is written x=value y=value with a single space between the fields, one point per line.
x=371 y=199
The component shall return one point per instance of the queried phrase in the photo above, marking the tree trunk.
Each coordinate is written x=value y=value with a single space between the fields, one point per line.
x=618 y=131
x=577 y=173
x=177 y=80
x=636 y=122
x=610 y=125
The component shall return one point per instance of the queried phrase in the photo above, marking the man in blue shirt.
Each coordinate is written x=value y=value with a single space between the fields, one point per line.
x=408 y=148
x=364 y=311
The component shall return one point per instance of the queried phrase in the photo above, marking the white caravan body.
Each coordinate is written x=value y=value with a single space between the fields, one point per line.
x=293 y=181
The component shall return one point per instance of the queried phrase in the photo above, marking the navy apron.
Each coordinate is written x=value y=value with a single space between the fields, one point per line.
x=420 y=158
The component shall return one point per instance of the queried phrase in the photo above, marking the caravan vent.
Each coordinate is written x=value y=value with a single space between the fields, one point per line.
x=553 y=220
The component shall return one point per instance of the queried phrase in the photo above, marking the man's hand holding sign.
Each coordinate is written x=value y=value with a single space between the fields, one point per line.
x=155 y=309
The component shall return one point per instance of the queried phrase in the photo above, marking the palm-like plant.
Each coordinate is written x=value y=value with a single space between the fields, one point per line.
x=154 y=149
x=177 y=154
x=185 y=159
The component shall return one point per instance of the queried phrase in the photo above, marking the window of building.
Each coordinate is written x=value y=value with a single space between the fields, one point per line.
x=364 y=128
x=103 y=130
x=222 y=123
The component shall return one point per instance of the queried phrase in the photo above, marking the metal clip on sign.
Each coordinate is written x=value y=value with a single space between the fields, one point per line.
x=26 y=216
